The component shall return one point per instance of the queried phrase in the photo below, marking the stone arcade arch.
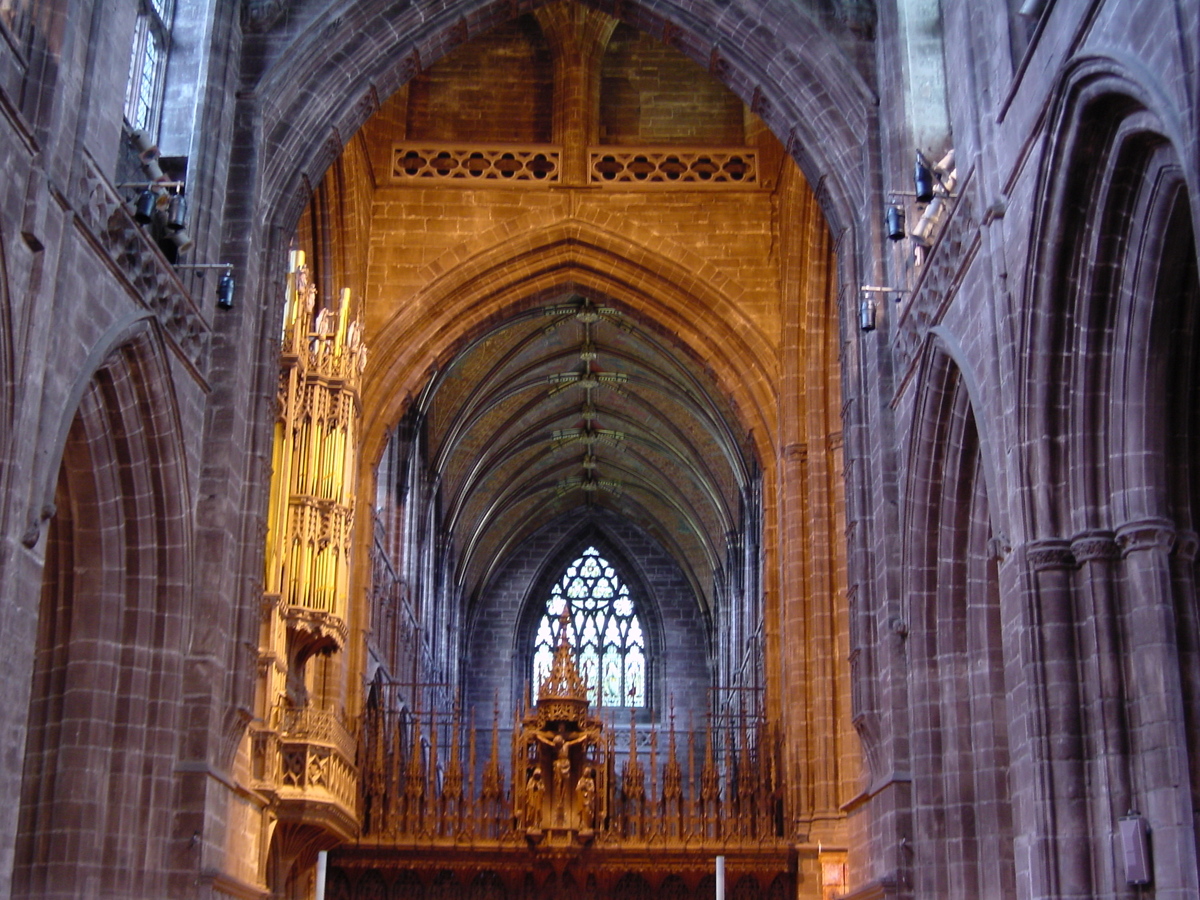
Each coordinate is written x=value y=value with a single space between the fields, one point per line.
x=817 y=103
x=1111 y=550
x=954 y=634
x=514 y=274
x=106 y=716
x=304 y=123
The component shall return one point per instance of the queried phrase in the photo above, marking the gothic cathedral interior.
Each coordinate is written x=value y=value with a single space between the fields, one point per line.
x=537 y=449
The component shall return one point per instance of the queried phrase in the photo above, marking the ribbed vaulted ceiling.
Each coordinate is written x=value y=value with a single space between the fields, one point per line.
x=574 y=404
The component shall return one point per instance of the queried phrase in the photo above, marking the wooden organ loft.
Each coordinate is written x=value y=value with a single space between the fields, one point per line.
x=304 y=750
x=576 y=815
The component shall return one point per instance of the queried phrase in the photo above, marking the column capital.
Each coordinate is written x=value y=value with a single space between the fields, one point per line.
x=1146 y=534
x=1095 y=546
x=1187 y=543
x=1052 y=553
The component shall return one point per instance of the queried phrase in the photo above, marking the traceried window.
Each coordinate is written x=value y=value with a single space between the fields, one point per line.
x=602 y=627
x=148 y=64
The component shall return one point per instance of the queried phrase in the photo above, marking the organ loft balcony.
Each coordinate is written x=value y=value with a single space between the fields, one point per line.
x=304 y=761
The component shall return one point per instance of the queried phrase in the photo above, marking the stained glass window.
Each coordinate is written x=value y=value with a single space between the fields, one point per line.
x=603 y=628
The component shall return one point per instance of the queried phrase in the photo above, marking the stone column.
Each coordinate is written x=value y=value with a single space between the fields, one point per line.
x=577 y=38
x=1048 y=751
x=1187 y=623
x=1157 y=723
x=1101 y=684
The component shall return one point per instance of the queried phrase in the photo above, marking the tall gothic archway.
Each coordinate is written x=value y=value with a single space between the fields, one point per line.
x=106 y=705
x=963 y=816
x=1112 y=521
x=610 y=352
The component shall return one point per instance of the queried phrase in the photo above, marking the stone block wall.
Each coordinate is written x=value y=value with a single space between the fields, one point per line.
x=650 y=93
x=498 y=88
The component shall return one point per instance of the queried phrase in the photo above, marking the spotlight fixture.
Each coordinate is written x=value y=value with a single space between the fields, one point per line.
x=866 y=313
x=182 y=240
x=225 y=291
x=923 y=179
x=869 y=292
x=143 y=209
x=1135 y=848
x=225 y=285
x=894 y=218
x=922 y=233
x=177 y=213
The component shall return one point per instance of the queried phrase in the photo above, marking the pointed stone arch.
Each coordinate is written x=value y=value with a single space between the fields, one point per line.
x=962 y=808
x=815 y=101
x=1117 y=172
x=106 y=708
x=533 y=267
x=1108 y=448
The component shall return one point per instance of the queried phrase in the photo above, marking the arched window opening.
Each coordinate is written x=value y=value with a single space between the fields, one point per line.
x=148 y=65
x=603 y=628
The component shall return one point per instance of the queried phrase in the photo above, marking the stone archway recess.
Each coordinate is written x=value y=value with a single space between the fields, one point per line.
x=295 y=120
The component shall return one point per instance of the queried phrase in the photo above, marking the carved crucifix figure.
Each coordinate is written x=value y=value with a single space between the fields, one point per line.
x=563 y=785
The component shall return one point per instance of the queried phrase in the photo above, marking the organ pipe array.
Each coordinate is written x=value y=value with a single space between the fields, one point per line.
x=303 y=751
x=315 y=454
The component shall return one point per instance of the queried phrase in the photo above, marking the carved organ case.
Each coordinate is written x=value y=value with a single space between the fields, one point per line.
x=304 y=754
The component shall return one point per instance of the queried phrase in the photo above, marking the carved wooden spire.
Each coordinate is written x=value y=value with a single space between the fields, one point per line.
x=563 y=681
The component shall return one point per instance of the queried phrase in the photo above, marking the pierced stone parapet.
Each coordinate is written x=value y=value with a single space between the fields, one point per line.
x=467 y=163
x=157 y=286
x=607 y=166
x=316 y=726
x=668 y=166
x=306 y=761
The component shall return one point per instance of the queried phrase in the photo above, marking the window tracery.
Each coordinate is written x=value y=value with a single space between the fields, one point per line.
x=148 y=64
x=603 y=628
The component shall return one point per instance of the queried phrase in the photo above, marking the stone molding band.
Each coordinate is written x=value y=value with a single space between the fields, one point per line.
x=1111 y=546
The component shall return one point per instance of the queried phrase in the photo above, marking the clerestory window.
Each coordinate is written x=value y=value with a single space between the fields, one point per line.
x=148 y=64
x=602 y=627
x=14 y=14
